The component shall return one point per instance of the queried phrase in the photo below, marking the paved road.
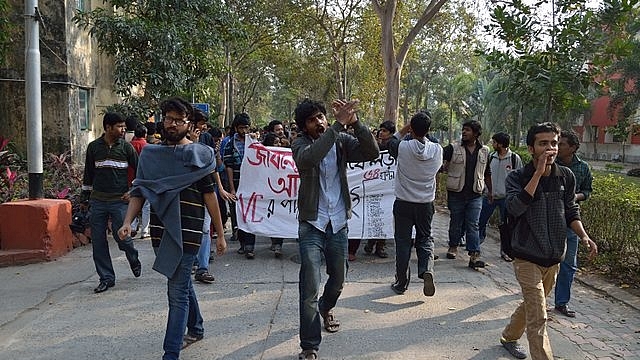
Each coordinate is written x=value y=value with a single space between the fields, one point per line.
x=49 y=311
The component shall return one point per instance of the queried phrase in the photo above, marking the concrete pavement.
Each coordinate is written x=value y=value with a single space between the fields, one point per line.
x=49 y=310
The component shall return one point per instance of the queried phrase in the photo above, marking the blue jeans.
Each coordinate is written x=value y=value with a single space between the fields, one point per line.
x=568 y=268
x=406 y=215
x=487 y=210
x=464 y=216
x=100 y=213
x=184 y=311
x=313 y=244
x=205 y=245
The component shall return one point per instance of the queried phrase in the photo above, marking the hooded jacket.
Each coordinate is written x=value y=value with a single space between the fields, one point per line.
x=418 y=165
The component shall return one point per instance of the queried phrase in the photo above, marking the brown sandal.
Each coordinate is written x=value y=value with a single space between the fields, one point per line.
x=329 y=322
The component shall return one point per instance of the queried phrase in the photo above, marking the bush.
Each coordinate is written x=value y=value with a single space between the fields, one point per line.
x=610 y=216
x=61 y=178
x=614 y=167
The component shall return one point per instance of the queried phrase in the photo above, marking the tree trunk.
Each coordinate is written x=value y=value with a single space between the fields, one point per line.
x=224 y=97
x=450 y=126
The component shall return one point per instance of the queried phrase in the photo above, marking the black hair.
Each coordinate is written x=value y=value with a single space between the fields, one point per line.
x=269 y=139
x=240 y=119
x=475 y=126
x=177 y=104
x=272 y=125
x=111 y=118
x=572 y=138
x=132 y=122
x=502 y=138
x=151 y=127
x=305 y=109
x=199 y=115
x=388 y=125
x=545 y=127
x=215 y=132
x=420 y=124
x=140 y=131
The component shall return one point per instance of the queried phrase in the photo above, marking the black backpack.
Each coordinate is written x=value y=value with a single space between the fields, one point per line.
x=513 y=159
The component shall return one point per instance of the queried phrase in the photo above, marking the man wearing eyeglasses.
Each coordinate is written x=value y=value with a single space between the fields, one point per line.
x=177 y=180
x=321 y=153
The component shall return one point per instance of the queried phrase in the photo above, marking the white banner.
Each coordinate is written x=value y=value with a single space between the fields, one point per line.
x=268 y=192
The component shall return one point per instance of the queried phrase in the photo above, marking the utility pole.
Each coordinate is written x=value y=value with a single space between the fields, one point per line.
x=33 y=99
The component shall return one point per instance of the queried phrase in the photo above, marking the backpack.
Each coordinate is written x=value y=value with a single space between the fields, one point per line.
x=513 y=159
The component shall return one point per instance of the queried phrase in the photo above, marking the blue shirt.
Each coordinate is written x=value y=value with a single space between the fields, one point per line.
x=330 y=205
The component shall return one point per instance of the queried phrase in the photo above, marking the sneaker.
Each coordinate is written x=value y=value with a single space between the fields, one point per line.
x=189 y=339
x=249 y=254
x=204 y=277
x=277 y=250
x=474 y=260
x=514 y=348
x=429 y=288
x=452 y=252
x=145 y=235
x=398 y=289
x=564 y=310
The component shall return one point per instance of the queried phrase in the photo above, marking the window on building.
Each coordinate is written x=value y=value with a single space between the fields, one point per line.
x=83 y=109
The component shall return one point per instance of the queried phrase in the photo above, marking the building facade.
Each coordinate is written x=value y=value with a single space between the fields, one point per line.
x=77 y=81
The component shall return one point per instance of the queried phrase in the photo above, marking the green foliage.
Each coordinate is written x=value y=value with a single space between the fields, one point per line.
x=610 y=216
x=61 y=178
x=7 y=29
x=523 y=151
x=548 y=57
x=161 y=48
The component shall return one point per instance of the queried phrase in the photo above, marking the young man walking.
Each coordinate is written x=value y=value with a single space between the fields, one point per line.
x=541 y=198
x=419 y=161
x=567 y=147
x=176 y=178
x=321 y=153
x=105 y=189
x=468 y=174
x=502 y=161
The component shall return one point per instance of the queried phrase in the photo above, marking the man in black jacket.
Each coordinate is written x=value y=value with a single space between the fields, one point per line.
x=541 y=196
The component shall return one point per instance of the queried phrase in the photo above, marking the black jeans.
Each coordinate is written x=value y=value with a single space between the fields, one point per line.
x=407 y=215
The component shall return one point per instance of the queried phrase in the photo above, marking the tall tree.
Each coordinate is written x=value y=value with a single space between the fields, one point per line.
x=393 y=59
x=161 y=47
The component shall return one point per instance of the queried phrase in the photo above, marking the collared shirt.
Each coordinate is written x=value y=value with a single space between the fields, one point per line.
x=582 y=172
x=330 y=205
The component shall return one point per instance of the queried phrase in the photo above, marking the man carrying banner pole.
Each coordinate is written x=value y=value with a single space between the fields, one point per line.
x=321 y=153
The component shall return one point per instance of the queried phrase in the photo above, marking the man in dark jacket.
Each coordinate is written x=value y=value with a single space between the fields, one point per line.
x=321 y=154
x=105 y=188
x=541 y=196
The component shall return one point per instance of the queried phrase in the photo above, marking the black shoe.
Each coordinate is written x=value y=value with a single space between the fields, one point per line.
x=398 y=289
x=369 y=247
x=429 y=288
x=205 y=278
x=189 y=339
x=564 y=310
x=249 y=254
x=136 y=268
x=103 y=286
x=277 y=251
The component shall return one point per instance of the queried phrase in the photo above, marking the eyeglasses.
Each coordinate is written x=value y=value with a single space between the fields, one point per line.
x=168 y=120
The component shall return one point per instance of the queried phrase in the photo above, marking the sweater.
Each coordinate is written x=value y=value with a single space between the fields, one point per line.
x=163 y=172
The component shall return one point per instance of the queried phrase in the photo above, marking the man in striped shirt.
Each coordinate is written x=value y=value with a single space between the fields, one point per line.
x=105 y=189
